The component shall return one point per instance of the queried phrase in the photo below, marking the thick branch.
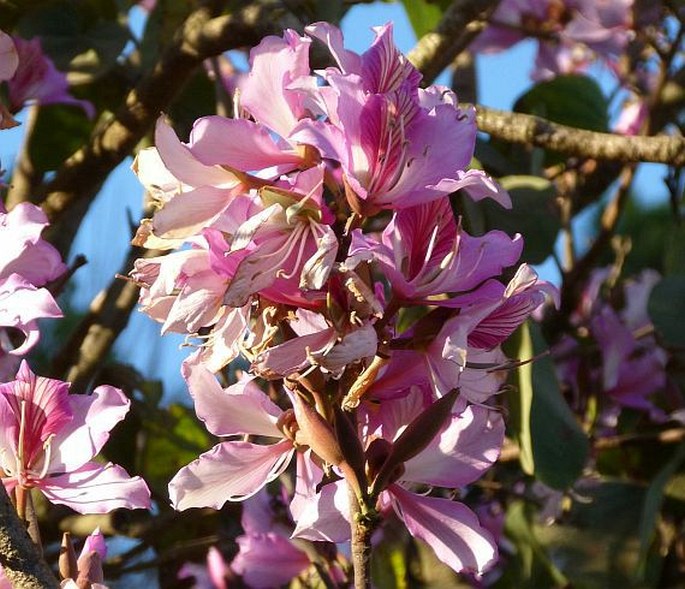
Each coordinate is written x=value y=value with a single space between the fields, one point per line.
x=19 y=556
x=460 y=24
x=79 y=179
x=532 y=130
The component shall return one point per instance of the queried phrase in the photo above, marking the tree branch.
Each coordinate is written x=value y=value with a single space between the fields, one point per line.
x=79 y=179
x=532 y=130
x=19 y=556
x=460 y=24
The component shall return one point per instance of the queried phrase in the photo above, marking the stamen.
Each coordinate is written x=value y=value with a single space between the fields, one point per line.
x=47 y=449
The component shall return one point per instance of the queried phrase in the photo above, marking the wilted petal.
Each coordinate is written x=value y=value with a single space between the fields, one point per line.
x=451 y=529
x=231 y=471
x=95 y=488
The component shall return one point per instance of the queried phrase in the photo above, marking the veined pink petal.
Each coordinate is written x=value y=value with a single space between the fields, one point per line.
x=94 y=417
x=384 y=67
x=231 y=471
x=189 y=212
x=181 y=162
x=241 y=408
x=322 y=516
x=46 y=409
x=95 y=488
x=468 y=445
x=276 y=64
x=451 y=529
x=241 y=144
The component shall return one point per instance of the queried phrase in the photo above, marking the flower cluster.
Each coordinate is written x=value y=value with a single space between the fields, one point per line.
x=305 y=233
x=571 y=34
x=630 y=366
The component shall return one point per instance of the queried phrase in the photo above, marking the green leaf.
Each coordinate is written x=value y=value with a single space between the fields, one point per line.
x=424 y=15
x=571 y=100
x=174 y=438
x=560 y=447
x=60 y=130
x=82 y=38
x=534 y=215
x=674 y=256
x=654 y=499
x=520 y=405
x=666 y=308
x=535 y=567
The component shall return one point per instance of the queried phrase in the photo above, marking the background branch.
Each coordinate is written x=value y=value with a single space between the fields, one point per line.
x=66 y=198
x=533 y=130
x=460 y=24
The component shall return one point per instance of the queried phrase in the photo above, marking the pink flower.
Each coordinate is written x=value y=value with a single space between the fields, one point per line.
x=385 y=131
x=266 y=557
x=232 y=470
x=466 y=446
x=571 y=34
x=27 y=263
x=36 y=78
x=425 y=254
x=48 y=438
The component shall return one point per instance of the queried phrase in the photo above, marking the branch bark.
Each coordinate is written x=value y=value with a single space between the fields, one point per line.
x=79 y=179
x=532 y=130
x=460 y=24
x=20 y=558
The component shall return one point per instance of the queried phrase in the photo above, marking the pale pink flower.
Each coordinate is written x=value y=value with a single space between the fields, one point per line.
x=37 y=79
x=232 y=470
x=570 y=33
x=49 y=438
x=466 y=446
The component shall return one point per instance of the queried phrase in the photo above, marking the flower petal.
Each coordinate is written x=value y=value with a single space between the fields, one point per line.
x=95 y=488
x=231 y=471
x=451 y=529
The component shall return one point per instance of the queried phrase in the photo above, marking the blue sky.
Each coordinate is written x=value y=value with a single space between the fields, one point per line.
x=104 y=235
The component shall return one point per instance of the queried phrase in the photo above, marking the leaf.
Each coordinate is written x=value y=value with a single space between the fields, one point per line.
x=674 y=256
x=60 y=130
x=534 y=215
x=520 y=405
x=560 y=447
x=654 y=499
x=572 y=100
x=424 y=15
x=174 y=438
x=82 y=38
x=666 y=308
x=536 y=568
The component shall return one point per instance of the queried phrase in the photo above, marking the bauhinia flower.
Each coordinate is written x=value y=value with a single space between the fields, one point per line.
x=49 y=437
x=27 y=263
